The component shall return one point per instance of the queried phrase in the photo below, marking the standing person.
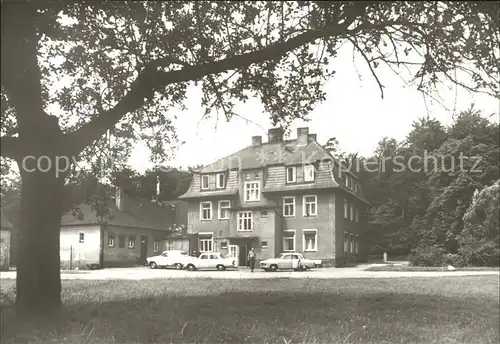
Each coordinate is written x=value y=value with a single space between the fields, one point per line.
x=251 y=258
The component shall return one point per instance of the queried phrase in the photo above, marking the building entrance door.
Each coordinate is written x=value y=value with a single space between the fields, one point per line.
x=243 y=254
x=234 y=252
x=144 y=249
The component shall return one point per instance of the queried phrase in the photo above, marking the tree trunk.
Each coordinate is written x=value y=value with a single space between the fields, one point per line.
x=38 y=286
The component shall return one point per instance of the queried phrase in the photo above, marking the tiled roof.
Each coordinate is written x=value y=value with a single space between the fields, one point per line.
x=288 y=152
x=194 y=194
x=275 y=156
x=138 y=213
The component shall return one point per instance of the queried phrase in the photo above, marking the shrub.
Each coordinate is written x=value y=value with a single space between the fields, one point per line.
x=479 y=242
x=479 y=253
x=432 y=256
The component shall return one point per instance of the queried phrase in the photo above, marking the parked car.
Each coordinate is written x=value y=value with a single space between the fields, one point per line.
x=210 y=260
x=171 y=258
x=288 y=260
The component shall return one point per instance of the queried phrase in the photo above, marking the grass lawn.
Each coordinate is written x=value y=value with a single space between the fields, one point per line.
x=391 y=267
x=398 y=310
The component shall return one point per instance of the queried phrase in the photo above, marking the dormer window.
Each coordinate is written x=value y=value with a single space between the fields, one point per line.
x=252 y=191
x=309 y=173
x=291 y=174
x=221 y=180
x=204 y=182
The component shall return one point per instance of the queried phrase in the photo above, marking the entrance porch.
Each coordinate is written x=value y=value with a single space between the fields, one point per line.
x=239 y=248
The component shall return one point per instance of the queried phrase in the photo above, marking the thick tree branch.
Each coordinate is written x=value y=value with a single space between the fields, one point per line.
x=151 y=79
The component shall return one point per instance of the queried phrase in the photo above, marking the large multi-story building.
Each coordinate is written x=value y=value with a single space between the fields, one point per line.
x=281 y=195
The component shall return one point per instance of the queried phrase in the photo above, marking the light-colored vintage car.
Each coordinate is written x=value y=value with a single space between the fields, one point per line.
x=172 y=258
x=288 y=260
x=210 y=260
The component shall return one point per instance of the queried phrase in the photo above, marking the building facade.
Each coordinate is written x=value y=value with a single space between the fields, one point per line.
x=278 y=196
x=134 y=230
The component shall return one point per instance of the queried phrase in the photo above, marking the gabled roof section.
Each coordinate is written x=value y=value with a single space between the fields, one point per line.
x=340 y=184
x=288 y=152
x=139 y=213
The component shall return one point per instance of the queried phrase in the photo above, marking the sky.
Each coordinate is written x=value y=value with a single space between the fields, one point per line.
x=353 y=112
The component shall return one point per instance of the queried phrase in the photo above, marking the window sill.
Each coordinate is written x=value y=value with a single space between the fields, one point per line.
x=311 y=250
x=244 y=230
x=205 y=219
x=223 y=218
x=304 y=215
x=288 y=215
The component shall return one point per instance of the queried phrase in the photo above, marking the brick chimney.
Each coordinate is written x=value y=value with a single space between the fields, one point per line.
x=302 y=136
x=312 y=138
x=275 y=134
x=120 y=198
x=256 y=140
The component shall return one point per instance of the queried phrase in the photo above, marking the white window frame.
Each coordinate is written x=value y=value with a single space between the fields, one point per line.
x=357 y=214
x=304 y=213
x=247 y=184
x=226 y=207
x=156 y=245
x=203 y=176
x=312 y=172
x=309 y=231
x=241 y=220
x=81 y=237
x=201 y=210
x=351 y=212
x=217 y=180
x=262 y=246
x=351 y=243
x=294 y=238
x=111 y=241
x=346 y=208
x=131 y=243
x=294 y=174
x=206 y=241
x=288 y=204
x=356 y=245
